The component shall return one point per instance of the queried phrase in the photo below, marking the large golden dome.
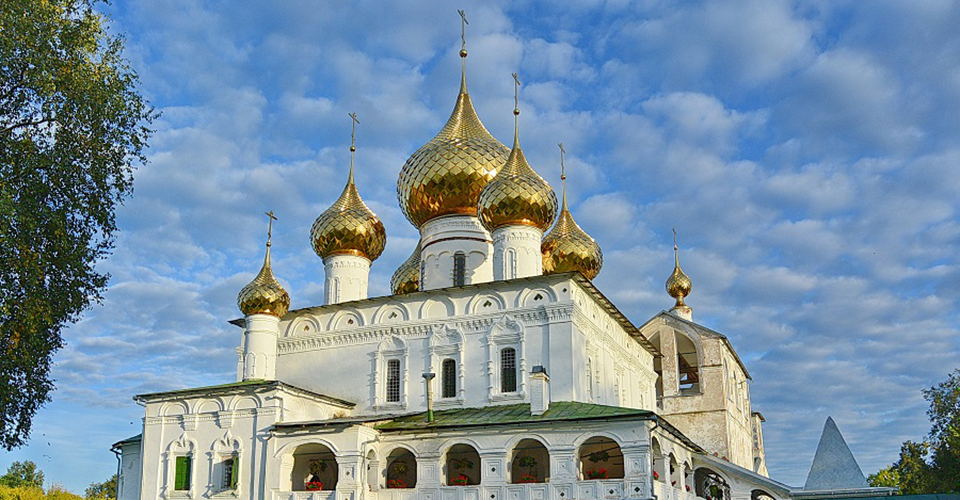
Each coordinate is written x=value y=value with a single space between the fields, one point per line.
x=406 y=279
x=445 y=176
x=348 y=227
x=517 y=195
x=264 y=295
x=568 y=248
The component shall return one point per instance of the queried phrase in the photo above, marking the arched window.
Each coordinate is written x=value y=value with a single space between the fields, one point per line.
x=511 y=264
x=508 y=370
x=393 y=381
x=761 y=495
x=448 y=379
x=459 y=269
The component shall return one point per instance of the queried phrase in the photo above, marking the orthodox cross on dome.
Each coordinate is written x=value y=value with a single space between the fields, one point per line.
x=563 y=171
x=675 y=250
x=270 y=225
x=516 y=94
x=563 y=176
x=353 y=139
x=463 y=32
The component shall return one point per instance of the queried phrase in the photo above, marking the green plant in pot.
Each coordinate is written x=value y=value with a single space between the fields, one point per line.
x=529 y=463
x=317 y=467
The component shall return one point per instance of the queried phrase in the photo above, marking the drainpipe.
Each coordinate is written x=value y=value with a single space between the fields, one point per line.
x=117 y=452
x=428 y=378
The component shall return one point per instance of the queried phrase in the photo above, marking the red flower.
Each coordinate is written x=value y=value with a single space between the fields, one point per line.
x=396 y=483
x=688 y=487
x=655 y=475
x=314 y=486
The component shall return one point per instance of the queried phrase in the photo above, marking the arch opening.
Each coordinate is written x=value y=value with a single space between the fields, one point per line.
x=401 y=469
x=530 y=462
x=711 y=485
x=462 y=465
x=600 y=458
x=314 y=464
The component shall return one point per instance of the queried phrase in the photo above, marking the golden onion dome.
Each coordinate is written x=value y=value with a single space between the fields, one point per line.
x=406 y=279
x=445 y=176
x=264 y=295
x=348 y=226
x=517 y=195
x=567 y=247
x=678 y=284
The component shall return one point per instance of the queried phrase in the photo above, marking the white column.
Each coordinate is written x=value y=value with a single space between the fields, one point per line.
x=442 y=239
x=516 y=252
x=346 y=278
x=260 y=347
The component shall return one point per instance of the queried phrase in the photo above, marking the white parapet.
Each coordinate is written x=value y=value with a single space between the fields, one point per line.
x=260 y=347
x=346 y=279
x=451 y=243
x=516 y=252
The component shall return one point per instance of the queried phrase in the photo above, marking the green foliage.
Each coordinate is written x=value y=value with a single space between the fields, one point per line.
x=35 y=493
x=72 y=126
x=931 y=466
x=106 y=490
x=23 y=475
x=888 y=477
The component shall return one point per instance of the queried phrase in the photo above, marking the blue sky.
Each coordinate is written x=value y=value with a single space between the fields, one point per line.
x=807 y=153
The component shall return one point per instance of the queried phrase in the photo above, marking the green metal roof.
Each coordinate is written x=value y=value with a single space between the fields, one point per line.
x=510 y=414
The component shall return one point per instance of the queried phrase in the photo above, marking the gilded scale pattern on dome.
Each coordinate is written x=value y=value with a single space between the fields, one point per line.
x=348 y=226
x=517 y=195
x=264 y=295
x=445 y=176
x=678 y=284
x=406 y=279
x=567 y=247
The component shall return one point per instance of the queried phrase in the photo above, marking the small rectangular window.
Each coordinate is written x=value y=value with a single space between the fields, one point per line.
x=393 y=381
x=508 y=370
x=182 y=479
x=449 y=378
x=459 y=269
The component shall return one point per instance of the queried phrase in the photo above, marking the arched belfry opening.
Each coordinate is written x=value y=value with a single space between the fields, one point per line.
x=688 y=365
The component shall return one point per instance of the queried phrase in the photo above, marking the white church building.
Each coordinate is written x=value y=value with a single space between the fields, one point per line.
x=495 y=371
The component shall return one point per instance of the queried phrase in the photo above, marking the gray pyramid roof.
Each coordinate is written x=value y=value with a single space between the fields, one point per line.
x=833 y=465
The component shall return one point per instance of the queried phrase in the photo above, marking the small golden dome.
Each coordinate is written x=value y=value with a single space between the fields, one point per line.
x=445 y=176
x=348 y=226
x=264 y=295
x=678 y=284
x=517 y=195
x=407 y=277
x=567 y=247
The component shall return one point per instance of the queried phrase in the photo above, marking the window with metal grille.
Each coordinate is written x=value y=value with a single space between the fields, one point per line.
x=508 y=370
x=449 y=378
x=393 y=381
x=181 y=480
x=459 y=269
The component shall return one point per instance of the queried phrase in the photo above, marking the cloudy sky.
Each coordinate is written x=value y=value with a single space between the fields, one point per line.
x=807 y=153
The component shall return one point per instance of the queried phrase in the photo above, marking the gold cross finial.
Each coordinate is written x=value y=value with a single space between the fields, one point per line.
x=674 y=239
x=270 y=226
x=463 y=32
x=516 y=94
x=563 y=173
x=353 y=130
